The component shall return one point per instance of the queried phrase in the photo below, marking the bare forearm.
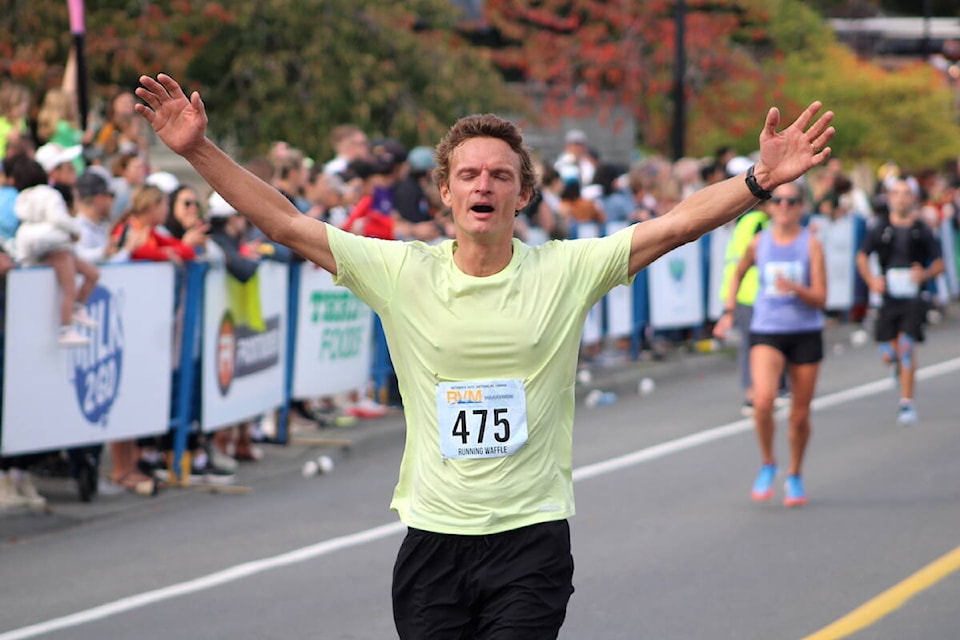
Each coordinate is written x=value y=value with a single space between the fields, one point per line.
x=703 y=211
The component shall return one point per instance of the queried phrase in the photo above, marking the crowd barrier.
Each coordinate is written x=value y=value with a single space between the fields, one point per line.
x=239 y=350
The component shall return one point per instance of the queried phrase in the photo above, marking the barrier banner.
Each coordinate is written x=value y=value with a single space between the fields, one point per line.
x=244 y=338
x=719 y=238
x=948 y=241
x=115 y=388
x=593 y=325
x=620 y=320
x=334 y=341
x=839 y=255
x=676 y=288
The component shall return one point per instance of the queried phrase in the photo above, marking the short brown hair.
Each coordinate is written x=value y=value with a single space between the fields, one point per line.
x=485 y=126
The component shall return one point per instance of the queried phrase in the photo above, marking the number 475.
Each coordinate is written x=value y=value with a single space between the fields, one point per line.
x=500 y=427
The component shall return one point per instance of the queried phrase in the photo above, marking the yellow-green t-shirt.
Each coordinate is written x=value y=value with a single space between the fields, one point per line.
x=523 y=323
x=747 y=226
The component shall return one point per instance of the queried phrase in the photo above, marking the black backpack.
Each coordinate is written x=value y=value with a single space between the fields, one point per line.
x=917 y=246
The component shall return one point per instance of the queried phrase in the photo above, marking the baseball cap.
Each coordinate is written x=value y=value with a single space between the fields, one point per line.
x=217 y=207
x=52 y=155
x=421 y=159
x=575 y=136
x=389 y=151
x=738 y=165
x=91 y=184
x=163 y=180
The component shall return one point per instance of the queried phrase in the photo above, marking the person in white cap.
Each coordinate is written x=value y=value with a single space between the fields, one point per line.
x=58 y=162
x=46 y=235
x=576 y=164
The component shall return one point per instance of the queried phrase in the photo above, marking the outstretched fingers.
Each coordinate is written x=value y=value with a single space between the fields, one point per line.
x=804 y=119
x=171 y=86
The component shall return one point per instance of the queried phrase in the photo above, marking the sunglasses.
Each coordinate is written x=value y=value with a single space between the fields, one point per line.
x=790 y=201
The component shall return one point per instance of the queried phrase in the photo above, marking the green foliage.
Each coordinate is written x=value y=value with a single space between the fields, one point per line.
x=294 y=70
x=906 y=115
x=284 y=69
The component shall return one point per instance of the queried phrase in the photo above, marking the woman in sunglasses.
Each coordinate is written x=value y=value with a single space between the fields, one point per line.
x=786 y=331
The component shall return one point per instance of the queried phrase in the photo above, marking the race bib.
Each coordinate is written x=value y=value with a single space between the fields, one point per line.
x=481 y=419
x=788 y=270
x=900 y=284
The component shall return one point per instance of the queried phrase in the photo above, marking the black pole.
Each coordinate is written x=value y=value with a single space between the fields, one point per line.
x=925 y=43
x=679 y=83
x=83 y=101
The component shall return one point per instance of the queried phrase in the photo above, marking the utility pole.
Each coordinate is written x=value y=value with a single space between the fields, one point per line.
x=679 y=81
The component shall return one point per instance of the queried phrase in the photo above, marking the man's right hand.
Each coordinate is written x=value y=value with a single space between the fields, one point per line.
x=180 y=123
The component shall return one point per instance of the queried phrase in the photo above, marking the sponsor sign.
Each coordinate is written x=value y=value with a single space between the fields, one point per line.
x=334 y=341
x=244 y=338
x=115 y=388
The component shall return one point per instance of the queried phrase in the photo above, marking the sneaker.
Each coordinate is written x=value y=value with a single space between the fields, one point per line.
x=154 y=468
x=907 y=415
x=795 y=495
x=367 y=408
x=782 y=400
x=10 y=498
x=82 y=318
x=212 y=474
x=27 y=490
x=70 y=337
x=746 y=409
x=109 y=489
x=223 y=461
x=763 y=485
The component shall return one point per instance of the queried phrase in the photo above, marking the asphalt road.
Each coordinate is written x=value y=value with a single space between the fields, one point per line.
x=667 y=543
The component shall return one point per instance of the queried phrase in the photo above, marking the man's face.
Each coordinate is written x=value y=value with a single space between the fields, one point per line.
x=103 y=203
x=484 y=187
x=900 y=199
x=64 y=173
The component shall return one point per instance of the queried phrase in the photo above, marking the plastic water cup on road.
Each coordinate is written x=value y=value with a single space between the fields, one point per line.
x=324 y=464
x=310 y=469
x=584 y=376
x=859 y=338
x=646 y=386
x=598 y=398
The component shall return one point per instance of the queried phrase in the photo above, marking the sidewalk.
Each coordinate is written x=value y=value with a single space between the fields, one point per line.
x=613 y=372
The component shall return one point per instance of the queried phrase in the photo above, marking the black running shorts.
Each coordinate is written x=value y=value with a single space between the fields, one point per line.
x=901 y=316
x=513 y=585
x=798 y=348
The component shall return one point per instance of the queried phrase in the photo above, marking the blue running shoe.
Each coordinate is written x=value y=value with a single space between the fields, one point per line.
x=795 y=495
x=763 y=485
x=907 y=415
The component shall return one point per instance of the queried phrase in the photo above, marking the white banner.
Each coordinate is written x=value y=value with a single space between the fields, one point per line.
x=719 y=238
x=948 y=247
x=334 y=341
x=116 y=388
x=839 y=255
x=676 y=288
x=244 y=344
x=593 y=325
x=619 y=300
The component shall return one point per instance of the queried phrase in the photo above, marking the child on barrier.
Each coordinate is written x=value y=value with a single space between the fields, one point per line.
x=46 y=235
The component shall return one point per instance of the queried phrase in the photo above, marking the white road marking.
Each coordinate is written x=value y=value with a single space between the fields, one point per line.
x=327 y=547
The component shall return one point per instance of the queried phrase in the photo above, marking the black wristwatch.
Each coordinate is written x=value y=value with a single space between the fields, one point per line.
x=758 y=192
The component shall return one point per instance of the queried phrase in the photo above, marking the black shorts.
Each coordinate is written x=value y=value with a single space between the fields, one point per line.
x=804 y=347
x=901 y=316
x=513 y=585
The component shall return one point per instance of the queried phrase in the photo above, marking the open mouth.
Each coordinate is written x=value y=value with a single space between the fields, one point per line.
x=482 y=208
